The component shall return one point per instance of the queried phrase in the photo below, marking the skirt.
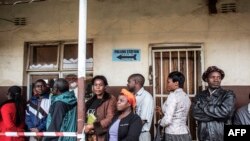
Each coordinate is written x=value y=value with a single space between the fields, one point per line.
x=175 y=137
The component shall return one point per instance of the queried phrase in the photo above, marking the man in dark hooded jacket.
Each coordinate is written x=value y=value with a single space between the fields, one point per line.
x=213 y=107
x=62 y=113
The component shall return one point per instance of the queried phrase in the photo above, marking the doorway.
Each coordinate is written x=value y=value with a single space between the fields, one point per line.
x=186 y=58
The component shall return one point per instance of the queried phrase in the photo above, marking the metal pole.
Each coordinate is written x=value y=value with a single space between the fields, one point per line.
x=82 y=40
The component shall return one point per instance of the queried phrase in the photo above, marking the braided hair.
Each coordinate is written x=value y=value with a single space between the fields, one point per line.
x=14 y=93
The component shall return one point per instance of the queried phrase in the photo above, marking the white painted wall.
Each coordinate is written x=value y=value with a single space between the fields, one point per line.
x=46 y=21
x=117 y=24
x=225 y=36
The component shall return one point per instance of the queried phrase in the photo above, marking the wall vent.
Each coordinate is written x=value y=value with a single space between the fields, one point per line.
x=20 y=21
x=228 y=7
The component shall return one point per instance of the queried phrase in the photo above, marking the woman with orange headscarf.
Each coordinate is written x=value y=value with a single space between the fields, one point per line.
x=126 y=125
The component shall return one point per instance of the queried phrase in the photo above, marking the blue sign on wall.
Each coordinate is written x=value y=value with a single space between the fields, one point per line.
x=126 y=55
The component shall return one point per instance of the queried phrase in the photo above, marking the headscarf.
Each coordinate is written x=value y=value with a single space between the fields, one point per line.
x=130 y=96
x=210 y=70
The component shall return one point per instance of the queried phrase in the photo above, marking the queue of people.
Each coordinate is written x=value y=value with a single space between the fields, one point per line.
x=126 y=118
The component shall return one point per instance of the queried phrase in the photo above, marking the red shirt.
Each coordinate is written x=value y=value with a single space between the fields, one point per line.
x=7 y=122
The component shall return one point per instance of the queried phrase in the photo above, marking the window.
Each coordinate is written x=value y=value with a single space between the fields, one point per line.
x=70 y=59
x=52 y=60
x=43 y=57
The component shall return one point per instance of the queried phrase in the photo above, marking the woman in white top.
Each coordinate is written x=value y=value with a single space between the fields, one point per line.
x=175 y=109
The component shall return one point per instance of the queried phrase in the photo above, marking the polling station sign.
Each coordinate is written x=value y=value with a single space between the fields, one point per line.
x=121 y=55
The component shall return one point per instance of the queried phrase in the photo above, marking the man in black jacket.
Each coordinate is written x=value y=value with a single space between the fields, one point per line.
x=213 y=107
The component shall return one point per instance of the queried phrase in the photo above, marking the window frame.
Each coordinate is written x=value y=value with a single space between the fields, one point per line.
x=30 y=51
x=60 y=71
x=62 y=56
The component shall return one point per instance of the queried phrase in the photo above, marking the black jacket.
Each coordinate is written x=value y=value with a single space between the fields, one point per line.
x=129 y=128
x=212 y=112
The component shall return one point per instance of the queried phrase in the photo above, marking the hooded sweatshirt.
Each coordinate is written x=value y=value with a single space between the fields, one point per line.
x=62 y=116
